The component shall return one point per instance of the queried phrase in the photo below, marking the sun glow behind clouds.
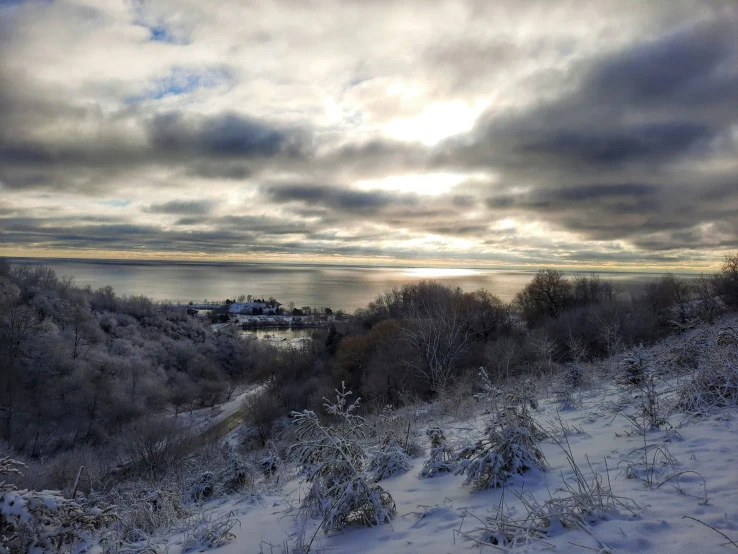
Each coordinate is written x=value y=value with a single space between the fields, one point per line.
x=428 y=183
x=435 y=123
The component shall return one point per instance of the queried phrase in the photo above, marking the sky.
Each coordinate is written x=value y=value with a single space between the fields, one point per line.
x=509 y=133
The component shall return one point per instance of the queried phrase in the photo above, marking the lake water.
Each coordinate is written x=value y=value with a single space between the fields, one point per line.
x=282 y=333
x=335 y=286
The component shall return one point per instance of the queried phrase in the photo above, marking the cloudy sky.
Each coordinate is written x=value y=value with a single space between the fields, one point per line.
x=507 y=132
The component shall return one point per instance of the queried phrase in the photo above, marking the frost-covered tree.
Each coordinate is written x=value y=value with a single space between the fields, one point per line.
x=510 y=447
x=333 y=462
x=442 y=457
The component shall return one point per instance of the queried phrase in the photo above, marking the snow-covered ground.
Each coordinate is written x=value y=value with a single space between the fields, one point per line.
x=204 y=418
x=442 y=515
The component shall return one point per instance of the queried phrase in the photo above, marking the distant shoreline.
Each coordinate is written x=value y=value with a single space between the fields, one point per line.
x=276 y=264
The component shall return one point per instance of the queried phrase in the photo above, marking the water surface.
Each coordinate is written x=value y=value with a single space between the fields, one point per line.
x=337 y=286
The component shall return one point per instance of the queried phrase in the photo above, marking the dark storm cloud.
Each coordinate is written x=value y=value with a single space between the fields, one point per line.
x=223 y=135
x=460 y=230
x=621 y=111
x=463 y=201
x=683 y=67
x=191 y=207
x=638 y=195
x=223 y=145
x=231 y=169
x=340 y=199
x=599 y=159
x=651 y=142
x=54 y=233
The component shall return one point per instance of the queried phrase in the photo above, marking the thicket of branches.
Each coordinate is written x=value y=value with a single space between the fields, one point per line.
x=413 y=341
x=79 y=365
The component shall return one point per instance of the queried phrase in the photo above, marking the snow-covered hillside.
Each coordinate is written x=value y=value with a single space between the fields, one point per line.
x=618 y=478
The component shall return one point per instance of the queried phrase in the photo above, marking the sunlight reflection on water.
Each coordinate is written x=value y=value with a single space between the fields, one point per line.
x=339 y=287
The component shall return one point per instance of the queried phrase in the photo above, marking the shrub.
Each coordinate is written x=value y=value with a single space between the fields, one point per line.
x=205 y=532
x=510 y=447
x=727 y=337
x=202 y=487
x=633 y=368
x=157 y=444
x=442 y=457
x=396 y=431
x=727 y=282
x=714 y=384
x=45 y=521
x=262 y=410
x=333 y=460
x=269 y=465
x=390 y=460
x=145 y=508
x=580 y=502
x=569 y=382
x=650 y=404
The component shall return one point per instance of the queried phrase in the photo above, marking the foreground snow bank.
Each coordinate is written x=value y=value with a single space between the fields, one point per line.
x=628 y=469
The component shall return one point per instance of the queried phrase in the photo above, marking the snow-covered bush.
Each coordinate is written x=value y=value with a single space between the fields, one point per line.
x=503 y=530
x=42 y=522
x=489 y=393
x=237 y=475
x=714 y=384
x=208 y=531
x=157 y=444
x=727 y=337
x=390 y=460
x=633 y=367
x=681 y=353
x=650 y=402
x=442 y=457
x=510 y=447
x=649 y=463
x=639 y=378
x=144 y=509
x=397 y=429
x=269 y=464
x=522 y=397
x=202 y=486
x=229 y=472
x=333 y=459
x=569 y=382
x=578 y=504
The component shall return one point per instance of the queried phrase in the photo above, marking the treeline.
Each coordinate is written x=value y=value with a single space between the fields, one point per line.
x=415 y=341
x=78 y=365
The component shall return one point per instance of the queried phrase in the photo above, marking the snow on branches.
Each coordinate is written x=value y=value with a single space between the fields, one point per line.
x=510 y=447
x=333 y=461
x=442 y=457
x=42 y=521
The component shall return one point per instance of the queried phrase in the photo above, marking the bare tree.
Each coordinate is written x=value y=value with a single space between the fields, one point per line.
x=489 y=314
x=436 y=326
x=610 y=332
x=501 y=355
x=728 y=280
x=545 y=347
x=547 y=295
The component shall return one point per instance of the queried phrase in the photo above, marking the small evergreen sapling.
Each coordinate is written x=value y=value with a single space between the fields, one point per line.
x=510 y=447
x=333 y=461
x=442 y=457
x=390 y=460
